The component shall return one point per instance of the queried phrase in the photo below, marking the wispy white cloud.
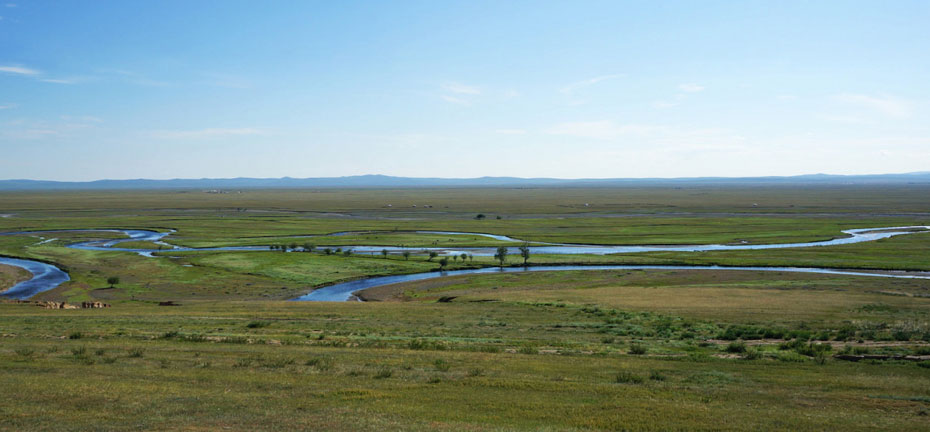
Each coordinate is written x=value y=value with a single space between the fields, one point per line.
x=7 y=106
x=455 y=100
x=60 y=80
x=885 y=104
x=511 y=131
x=10 y=5
x=458 y=93
x=35 y=74
x=572 y=88
x=19 y=70
x=206 y=133
x=690 y=87
x=459 y=88
x=63 y=127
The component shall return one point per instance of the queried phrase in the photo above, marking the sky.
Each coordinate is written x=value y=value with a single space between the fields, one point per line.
x=565 y=89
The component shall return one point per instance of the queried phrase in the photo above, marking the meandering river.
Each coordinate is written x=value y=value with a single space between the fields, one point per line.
x=47 y=276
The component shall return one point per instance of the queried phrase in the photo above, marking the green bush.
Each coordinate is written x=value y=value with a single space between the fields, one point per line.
x=737 y=347
x=627 y=377
x=442 y=365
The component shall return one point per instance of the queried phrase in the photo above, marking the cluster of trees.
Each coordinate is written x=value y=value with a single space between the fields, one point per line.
x=502 y=252
x=306 y=247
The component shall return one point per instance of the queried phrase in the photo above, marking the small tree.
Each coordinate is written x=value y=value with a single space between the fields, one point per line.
x=308 y=247
x=443 y=263
x=501 y=254
x=347 y=252
x=480 y=216
x=293 y=246
x=406 y=255
x=272 y=247
x=113 y=280
x=432 y=254
x=384 y=253
x=525 y=252
x=328 y=251
x=463 y=257
x=283 y=248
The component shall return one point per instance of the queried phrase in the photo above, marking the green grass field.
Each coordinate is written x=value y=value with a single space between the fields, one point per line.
x=583 y=350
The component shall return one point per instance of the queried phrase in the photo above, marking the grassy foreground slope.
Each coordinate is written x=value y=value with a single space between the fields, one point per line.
x=479 y=366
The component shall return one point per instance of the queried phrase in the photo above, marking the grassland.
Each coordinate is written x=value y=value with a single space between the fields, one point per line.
x=10 y=276
x=593 y=350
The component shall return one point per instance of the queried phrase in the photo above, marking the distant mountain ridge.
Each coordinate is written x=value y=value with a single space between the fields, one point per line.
x=384 y=181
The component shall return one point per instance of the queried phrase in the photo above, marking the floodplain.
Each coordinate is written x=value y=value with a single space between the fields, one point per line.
x=659 y=349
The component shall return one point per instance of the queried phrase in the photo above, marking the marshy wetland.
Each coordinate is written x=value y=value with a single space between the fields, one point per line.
x=637 y=330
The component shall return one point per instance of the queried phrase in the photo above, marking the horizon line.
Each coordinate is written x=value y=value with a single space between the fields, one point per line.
x=470 y=178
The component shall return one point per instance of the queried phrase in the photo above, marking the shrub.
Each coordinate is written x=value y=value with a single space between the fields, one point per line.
x=384 y=373
x=24 y=352
x=257 y=324
x=753 y=354
x=135 y=353
x=627 y=377
x=812 y=349
x=656 y=376
x=790 y=356
x=79 y=351
x=637 y=349
x=528 y=350
x=737 y=347
x=442 y=365
x=75 y=335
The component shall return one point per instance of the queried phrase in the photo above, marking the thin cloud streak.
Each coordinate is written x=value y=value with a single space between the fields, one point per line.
x=19 y=70
x=575 y=86
x=459 y=88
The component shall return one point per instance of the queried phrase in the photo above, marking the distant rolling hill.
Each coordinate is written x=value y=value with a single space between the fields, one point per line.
x=383 y=181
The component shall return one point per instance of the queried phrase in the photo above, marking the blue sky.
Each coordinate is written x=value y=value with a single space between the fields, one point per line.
x=131 y=89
